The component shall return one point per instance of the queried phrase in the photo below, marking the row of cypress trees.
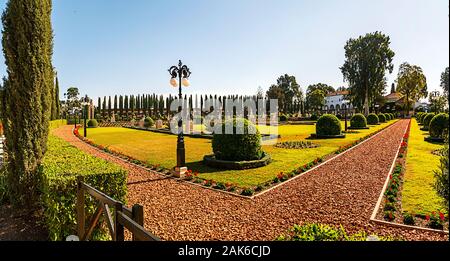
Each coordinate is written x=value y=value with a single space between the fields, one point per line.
x=28 y=93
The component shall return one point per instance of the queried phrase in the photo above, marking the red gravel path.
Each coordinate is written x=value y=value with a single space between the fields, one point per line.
x=343 y=191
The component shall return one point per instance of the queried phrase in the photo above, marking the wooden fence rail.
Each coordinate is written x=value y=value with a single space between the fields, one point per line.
x=129 y=218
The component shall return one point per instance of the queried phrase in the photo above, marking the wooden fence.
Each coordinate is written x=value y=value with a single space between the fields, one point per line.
x=129 y=218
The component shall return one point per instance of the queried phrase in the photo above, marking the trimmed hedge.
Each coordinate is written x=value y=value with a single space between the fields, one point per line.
x=59 y=170
x=358 y=121
x=283 y=117
x=328 y=125
x=388 y=117
x=439 y=125
x=238 y=147
x=426 y=120
x=381 y=118
x=148 y=122
x=372 y=119
x=92 y=123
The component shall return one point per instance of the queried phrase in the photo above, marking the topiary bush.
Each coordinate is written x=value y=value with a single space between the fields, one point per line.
x=439 y=125
x=388 y=116
x=421 y=117
x=358 y=121
x=238 y=147
x=314 y=117
x=372 y=119
x=148 y=122
x=381 y=118
x=92 y=123
x=328 y=125
x=426 y=120
x=283 y=117
x=61 y=166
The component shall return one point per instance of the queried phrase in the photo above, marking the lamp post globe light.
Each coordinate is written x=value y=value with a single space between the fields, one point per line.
x=180 y=77
x=85 y=104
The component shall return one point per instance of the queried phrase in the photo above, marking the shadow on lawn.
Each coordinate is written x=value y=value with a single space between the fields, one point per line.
x=201 y=168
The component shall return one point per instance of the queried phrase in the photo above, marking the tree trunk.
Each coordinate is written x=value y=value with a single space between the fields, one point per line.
x=407 y=106
x=366 y=102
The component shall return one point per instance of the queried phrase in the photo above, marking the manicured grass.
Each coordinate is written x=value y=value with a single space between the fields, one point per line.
x=418 y=195
x=156 y=148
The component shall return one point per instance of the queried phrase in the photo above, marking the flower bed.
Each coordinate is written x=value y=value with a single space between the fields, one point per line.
x=192 y=175
x=391 y=208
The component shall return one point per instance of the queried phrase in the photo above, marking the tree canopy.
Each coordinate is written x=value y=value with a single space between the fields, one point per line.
x=444 y=81
x=411 y=82
x=367 y=59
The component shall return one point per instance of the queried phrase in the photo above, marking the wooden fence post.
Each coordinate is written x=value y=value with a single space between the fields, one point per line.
x=80 y=207
x=137 y=214
x=119 y=229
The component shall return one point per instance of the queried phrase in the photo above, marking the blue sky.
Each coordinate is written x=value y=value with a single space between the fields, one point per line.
x=107 y=47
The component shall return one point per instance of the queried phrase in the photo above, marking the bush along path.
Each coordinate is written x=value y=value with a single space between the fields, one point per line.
x=230 y=188
x=343 y=191
x=390 y=208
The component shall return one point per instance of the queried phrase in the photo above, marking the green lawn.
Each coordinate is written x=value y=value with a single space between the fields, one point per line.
x=418 y=195
x=156 y=148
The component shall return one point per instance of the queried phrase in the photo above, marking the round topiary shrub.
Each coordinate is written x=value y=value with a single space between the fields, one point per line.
x=328 y=125
x=283 y=117
x=358 y=121
x=238 y=147
x=439 y=125
x=392 y=116
x=92 y=123
x=388 y=117
x=420 y=118
x=148 y=122
x=426 y=120
x=381 y=118
x=372 y=119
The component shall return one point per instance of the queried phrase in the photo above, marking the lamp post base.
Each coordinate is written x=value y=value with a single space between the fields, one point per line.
x=179 y=172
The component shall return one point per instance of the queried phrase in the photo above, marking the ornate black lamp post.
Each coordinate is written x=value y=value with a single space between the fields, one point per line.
x=181 y=72
x=85 y=104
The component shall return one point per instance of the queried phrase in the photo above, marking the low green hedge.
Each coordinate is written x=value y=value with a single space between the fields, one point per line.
x=372 y=119
x=358 y=121
x=148 y=122
x=59 y=170
x=57 y=123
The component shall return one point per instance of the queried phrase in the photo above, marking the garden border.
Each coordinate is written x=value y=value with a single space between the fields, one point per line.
x=373 y=218
x=257 y=194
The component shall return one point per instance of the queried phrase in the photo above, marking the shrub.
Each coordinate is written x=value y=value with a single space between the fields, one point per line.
x=436 y=220
x=426 y=120
x=238 y=147
x=381 y=118
x=247 y=192
x=148 y=122
x=59 y=170
x=328 y=124
x=321 y=232
x=441 y=184
x=92 y=123
x=358 y=121
x=283 y=117
x=439 y=125
x=3 y=186
x=314 y=117
x=408 y=219
x=388 y=117
x=296 y=145
x=372 y=119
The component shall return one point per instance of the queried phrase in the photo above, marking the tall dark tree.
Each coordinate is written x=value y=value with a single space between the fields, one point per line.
x=72 y=98
x=104 y=110
x=28 y=48
x=367 y=60
x=109 y=106
x=121 y=105
x=444 y=81
x=412 y=83
x=393 y=88
x=126 y=104
x=115 y=104
x=276 y=92
x=99 y=106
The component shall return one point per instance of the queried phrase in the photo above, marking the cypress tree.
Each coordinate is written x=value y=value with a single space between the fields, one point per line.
x=115 y=104
x=126 y=104
x=57 y=101
x=109 y=106
x=121 y=105
x=99 y=106
x=104 y=106
x=28 y=48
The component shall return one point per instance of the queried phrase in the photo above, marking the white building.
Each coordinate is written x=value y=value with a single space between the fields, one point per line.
x=335 y=102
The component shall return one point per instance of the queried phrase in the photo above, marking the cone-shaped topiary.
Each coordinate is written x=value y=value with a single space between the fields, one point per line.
x=439 y=125
x=381 y=118
x=92 y=123
x=426 y=120
x=358 y=121
x=328 y=125
x=372 y=119
x=238 y=147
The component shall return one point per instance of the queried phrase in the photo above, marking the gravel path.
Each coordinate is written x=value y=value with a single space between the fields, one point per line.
x=343 y=191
